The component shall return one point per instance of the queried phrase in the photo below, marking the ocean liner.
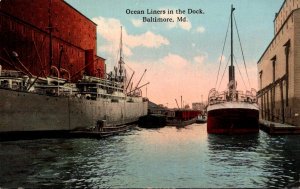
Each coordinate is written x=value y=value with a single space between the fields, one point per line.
x=232 y=111
x=33 y=103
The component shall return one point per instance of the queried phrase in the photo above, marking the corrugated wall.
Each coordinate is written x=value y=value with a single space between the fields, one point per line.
x=24 y=29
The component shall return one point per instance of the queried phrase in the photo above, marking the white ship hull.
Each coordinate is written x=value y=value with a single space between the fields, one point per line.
x=24 y=111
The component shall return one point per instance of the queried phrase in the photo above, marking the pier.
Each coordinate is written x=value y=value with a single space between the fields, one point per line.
x=274 y=128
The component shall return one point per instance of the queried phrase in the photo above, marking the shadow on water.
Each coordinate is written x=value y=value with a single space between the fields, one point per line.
x=232 y=158
x=60 y=163
x=233 y=142
x=255 y=160
x=282 y=160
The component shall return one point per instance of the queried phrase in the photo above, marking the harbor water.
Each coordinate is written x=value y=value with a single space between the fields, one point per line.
x=165 y=157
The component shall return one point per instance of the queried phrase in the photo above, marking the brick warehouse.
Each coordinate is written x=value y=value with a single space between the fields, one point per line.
x=26 y=27
x=279 y=68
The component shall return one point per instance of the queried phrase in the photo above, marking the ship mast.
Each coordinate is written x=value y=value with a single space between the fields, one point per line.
x=121 y=45
x=232 y=85
x=121 y=70
x=50 y=28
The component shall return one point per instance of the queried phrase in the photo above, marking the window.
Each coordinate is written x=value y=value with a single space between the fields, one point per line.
x=260 y=79
x=274 y=66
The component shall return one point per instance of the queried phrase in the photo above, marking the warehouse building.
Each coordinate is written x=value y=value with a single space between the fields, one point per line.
x=49 y=35
x=279 y=69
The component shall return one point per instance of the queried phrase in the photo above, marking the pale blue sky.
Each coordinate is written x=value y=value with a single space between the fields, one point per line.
x=254 y=19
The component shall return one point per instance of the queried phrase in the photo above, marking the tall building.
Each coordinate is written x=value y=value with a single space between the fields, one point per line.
x=49 y=35
x=279 y=68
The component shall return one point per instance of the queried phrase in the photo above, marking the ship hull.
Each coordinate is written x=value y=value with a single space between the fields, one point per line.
x=23 y=111
x=233 y=119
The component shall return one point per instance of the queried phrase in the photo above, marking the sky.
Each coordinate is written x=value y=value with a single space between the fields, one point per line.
x=182 y=58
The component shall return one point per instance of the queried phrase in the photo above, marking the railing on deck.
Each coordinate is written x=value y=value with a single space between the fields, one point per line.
x=215 y=97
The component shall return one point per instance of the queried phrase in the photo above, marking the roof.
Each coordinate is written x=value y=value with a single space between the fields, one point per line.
x=277 y=33
x=152 y=105
x=276 y=15
x=99 y=57
x=79 y=12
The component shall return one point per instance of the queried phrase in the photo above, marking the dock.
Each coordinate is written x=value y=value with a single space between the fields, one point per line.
x=278 y=128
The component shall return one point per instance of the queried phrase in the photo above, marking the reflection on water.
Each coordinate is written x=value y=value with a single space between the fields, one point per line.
x=166 y=157
x=233 y=159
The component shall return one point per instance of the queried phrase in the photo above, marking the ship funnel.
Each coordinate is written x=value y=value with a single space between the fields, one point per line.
x=231 y=73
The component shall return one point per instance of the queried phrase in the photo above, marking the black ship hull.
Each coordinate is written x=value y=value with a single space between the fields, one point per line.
x=233 y=121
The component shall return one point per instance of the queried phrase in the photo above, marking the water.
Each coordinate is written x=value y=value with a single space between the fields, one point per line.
x=166 y=157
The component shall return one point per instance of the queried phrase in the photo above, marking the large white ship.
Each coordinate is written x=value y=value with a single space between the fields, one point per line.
x=232 y=111
x=53 y=104
x=32 y=103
